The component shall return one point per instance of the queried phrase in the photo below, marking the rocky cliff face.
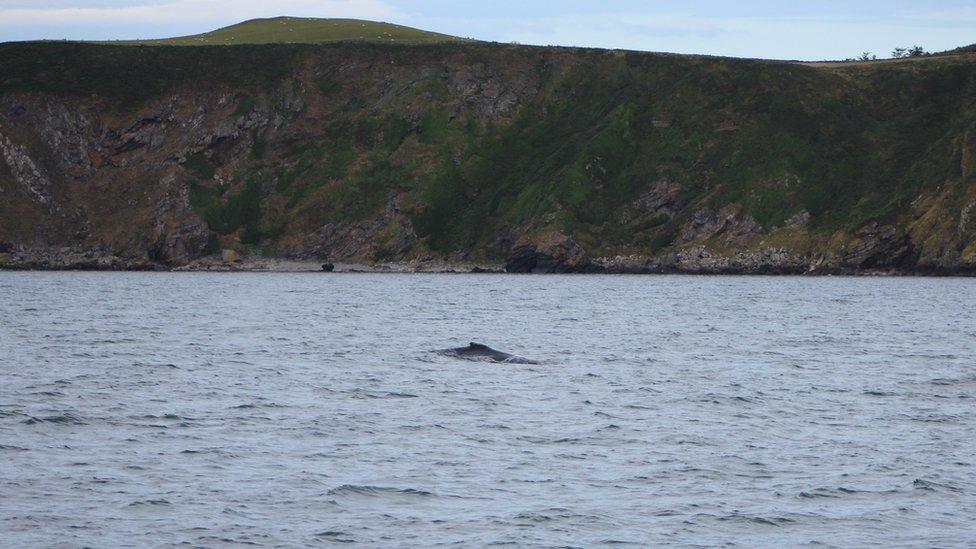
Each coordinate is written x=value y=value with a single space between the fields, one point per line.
x=546 y=160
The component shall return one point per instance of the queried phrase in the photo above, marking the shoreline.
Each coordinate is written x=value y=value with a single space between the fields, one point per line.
x=212 y=265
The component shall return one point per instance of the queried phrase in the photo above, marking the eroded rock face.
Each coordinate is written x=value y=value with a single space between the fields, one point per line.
x=556 y=253
x=707 y=224
x=25 y=171
x=876 y=246
x=662 y=198
x=523 y=260
x=798 y=220
x=71 y=133
x=178 y=235
x=390 y=235
x=492 y=94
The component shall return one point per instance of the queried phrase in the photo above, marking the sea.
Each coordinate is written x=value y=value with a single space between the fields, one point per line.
x=310 y=409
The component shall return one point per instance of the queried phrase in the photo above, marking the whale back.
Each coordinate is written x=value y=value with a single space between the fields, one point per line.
x=475 y=351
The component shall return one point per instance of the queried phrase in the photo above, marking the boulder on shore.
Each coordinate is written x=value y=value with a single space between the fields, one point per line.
x=230 y=256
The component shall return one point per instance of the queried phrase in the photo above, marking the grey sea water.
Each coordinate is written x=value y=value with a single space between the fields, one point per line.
x=147 y=409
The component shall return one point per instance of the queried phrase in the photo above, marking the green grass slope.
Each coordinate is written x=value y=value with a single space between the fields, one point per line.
x=298 y=30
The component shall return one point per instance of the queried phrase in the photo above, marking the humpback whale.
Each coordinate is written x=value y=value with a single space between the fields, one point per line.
x=477 y=351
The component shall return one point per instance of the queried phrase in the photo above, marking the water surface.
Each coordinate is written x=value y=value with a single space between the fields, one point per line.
x=304 y=409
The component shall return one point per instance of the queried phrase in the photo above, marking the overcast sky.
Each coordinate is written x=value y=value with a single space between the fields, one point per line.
x=810 y=30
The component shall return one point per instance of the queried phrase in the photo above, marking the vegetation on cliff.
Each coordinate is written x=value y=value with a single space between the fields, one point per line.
x=590 y=159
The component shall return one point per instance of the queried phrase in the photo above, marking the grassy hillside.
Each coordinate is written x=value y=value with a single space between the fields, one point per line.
x=297 y=30
x=383 y=151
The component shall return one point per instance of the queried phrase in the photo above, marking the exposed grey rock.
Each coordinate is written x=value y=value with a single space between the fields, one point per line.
x=69 y=132
x=390 y=235
x=178 y=235
x=706 y=224
x=145 y=133
x=662 y=198
x=967 y=222
x=564 y=256
x=25 y=171
x=876 y=246
x=798 y=220
x=230 y=256
x=70 y=258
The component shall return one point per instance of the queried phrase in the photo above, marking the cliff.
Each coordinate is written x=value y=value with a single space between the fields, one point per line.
x=544 y=159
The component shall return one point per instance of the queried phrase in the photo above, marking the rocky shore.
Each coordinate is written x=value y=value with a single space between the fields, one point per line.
x=524 y=260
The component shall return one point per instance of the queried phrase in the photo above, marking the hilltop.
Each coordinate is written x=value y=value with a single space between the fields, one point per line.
x=298 y=30
x=543 y=159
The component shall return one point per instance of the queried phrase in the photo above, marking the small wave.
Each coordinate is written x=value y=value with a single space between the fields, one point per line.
x=111 y=341
x=208 y=541
x=931 y=486
x=947 y=381
x=63 y=419
x=376 y=491
x=878 y=394
x=718 y=398
x=150 y=365
x=554 y=514
x=766 y=521
x=934 y=418
x=534 y=517
x=255 y=405
x=168 y=417
x=359 y=393
x=842 y=491
x=543 y=440
x=149 y=502
x=335 y=537
x=937 y=356
x=827 y=493
x=210 y=452
x=9 y=448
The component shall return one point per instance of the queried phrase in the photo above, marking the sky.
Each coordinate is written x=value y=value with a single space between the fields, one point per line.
x=805 y=30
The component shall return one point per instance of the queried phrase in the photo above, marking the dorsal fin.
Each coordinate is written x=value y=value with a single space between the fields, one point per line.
x=477 y=346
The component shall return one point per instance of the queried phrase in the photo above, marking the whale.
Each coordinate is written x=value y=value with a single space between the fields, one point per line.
x=477 y=351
